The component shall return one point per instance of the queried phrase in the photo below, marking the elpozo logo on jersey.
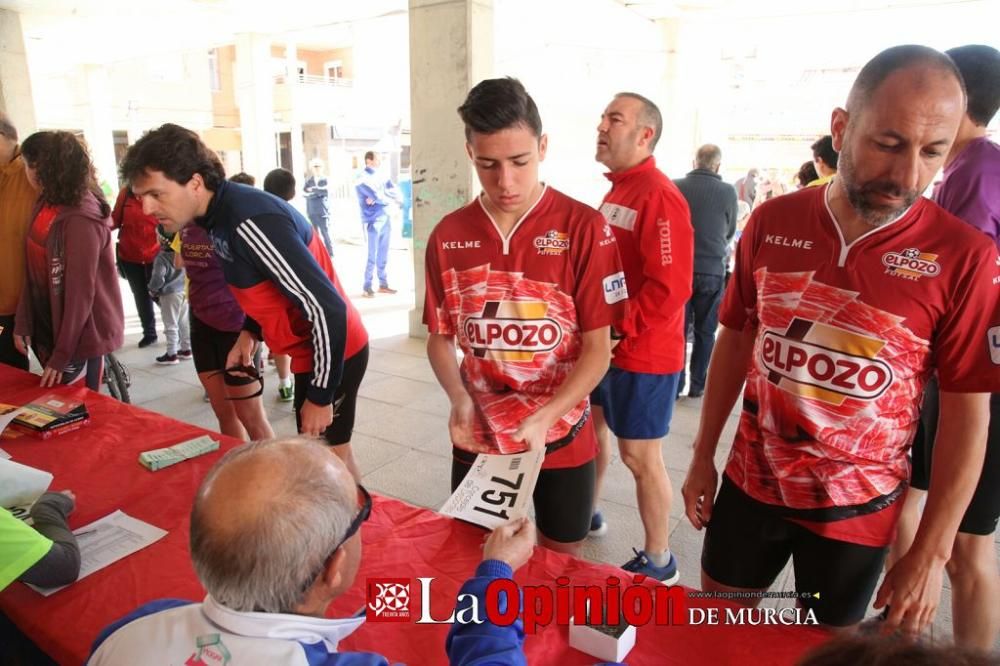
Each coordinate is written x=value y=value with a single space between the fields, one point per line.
x=824 y=362
x=911 y=264
x=513 y=330
x=552 y=243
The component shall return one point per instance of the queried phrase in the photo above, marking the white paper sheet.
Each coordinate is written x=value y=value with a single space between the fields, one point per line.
x=108 y=540
x=20 y=484
x=496 y=490
x=7 y=416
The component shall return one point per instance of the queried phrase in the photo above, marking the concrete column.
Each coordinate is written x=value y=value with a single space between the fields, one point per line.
x=15 y=83
x=295 y=121
x=98 y=129
x=255 y=98
x=451 y=49
x=690 y=120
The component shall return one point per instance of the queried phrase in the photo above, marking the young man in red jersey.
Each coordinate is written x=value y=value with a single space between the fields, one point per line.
x=527 y=284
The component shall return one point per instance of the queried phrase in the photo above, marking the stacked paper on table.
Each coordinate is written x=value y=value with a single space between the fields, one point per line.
x=108 y=540
x=51 y=414
x=171 y=455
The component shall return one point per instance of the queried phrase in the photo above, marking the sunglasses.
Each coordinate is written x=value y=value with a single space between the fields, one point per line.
x=363 y=514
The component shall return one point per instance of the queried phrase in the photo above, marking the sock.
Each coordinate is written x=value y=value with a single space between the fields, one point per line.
x=659 y=559
x=284 y=383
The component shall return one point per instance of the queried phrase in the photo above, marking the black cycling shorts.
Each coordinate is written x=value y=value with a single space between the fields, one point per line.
x=345 y=398
x=984 y=510
x=747 y=545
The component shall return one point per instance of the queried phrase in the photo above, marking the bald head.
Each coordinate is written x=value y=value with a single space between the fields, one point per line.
x=927 y=67
x=266 y=518
x=708 y=157
x=902 y=118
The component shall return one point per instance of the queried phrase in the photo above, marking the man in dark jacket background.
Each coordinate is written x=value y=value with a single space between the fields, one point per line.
x=713 y=216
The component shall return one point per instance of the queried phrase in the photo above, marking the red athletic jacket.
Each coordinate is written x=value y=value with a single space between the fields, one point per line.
x=652 y=225
x=137 y=241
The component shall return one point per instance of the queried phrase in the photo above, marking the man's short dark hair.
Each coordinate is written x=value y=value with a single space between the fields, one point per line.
x=498 y=104
x=177 y=152
x=369 y=156
x=280 y=183
x=980 y=69
x=7 y=128
x=708 y=157
x=649 y=116
x=891 y=60
x=243 y=178
x=823 y=151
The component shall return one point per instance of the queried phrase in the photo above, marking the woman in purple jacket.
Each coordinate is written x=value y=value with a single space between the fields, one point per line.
x=70 y=310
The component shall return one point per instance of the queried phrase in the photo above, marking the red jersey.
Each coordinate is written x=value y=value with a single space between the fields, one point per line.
x=846 y=337
x=38 y=236
x=137 y=241
x=652 y=222
x=518 y=307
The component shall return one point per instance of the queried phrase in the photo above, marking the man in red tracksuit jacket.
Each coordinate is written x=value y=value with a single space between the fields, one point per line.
x=652 y=224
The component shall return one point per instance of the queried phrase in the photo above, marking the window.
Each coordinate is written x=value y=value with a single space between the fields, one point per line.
x=214 y=79
x=333 y=70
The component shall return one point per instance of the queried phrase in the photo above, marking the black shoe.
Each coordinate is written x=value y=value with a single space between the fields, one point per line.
x=695 y=394
x=369 y=293
x=146 y=341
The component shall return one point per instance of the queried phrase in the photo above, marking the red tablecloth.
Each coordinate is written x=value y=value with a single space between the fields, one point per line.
x=100 y=464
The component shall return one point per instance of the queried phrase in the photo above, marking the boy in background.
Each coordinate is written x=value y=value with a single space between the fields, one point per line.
x=166 y=286
x=281 y=183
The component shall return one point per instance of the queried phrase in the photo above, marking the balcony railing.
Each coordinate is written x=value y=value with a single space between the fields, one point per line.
x=315 y=80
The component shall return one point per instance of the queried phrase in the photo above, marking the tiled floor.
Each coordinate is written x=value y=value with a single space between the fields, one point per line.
x=401 y=438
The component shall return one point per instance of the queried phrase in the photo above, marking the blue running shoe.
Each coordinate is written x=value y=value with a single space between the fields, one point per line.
x=598 y=526
x=667 y=575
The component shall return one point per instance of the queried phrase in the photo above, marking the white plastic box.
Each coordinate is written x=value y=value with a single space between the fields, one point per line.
x=608 y=643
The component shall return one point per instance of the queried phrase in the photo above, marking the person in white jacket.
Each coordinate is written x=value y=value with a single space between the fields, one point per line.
x=275 y=538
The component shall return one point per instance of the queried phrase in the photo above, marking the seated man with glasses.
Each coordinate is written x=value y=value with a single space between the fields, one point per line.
x=275 y=538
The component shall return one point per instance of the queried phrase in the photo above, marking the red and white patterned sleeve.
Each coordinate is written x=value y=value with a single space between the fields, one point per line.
x=436 y=318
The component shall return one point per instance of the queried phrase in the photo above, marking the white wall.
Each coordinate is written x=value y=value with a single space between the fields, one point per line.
x=573 y=72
